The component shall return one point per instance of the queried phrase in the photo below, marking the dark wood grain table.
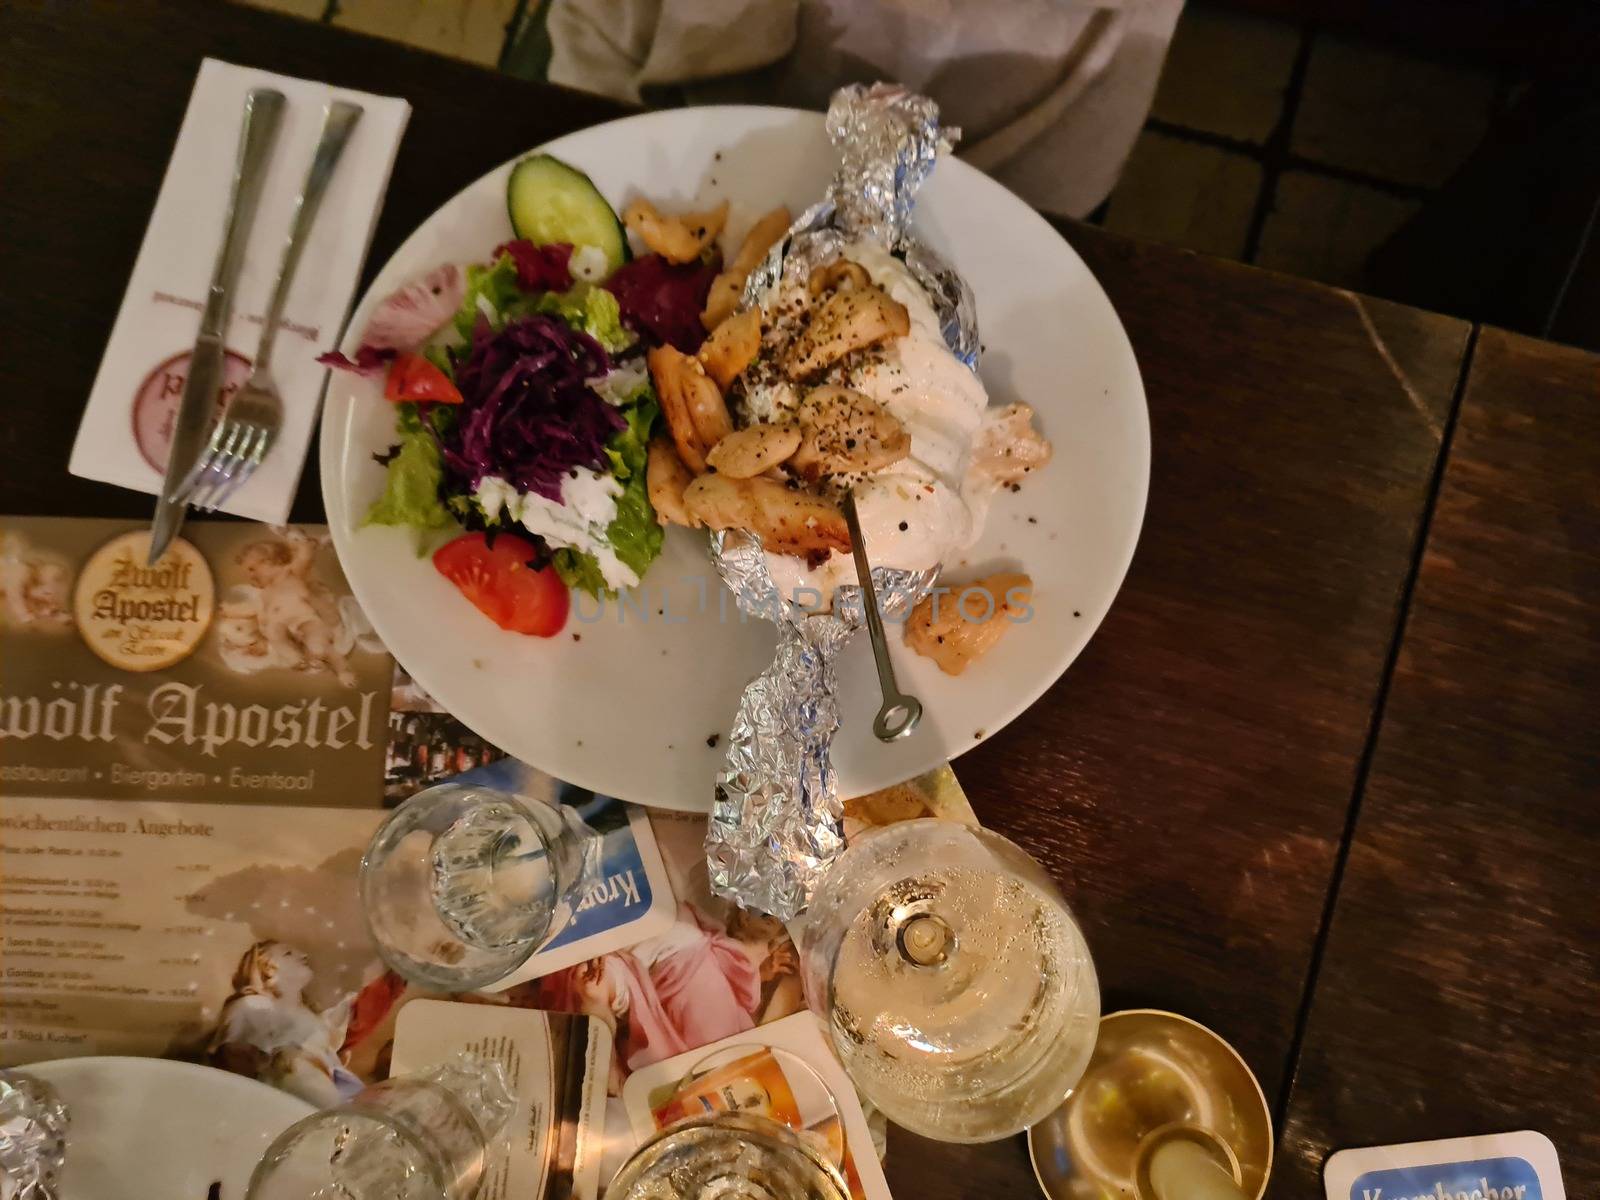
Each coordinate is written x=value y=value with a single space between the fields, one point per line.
x=1191 y=782
x=1459 y=990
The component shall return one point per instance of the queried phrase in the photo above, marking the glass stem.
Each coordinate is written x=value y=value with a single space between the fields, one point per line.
x=925 y=940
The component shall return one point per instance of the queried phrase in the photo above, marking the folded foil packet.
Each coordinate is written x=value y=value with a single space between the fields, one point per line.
x=776 y=816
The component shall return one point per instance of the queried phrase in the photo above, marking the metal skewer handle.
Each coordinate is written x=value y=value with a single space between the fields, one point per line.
x=900 y=713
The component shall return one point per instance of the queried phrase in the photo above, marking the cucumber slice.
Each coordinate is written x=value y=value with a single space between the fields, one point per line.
x=552 y=202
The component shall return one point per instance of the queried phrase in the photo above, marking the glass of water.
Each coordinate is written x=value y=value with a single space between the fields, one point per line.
x=953 y=980
x=424 y=1136
x=462 y=884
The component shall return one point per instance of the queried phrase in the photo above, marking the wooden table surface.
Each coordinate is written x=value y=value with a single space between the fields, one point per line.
x=1194 y=781
x=1459 y=990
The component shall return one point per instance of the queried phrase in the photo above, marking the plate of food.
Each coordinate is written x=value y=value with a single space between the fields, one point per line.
x=558 y=389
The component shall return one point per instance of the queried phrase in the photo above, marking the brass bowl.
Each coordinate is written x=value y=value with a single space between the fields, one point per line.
x=1154 y=1075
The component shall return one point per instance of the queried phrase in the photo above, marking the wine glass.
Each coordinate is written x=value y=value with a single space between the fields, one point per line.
x=461 y=884
x=423 y=1136
x=956 y=987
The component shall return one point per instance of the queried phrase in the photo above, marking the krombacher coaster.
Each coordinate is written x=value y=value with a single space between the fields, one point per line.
x=1495 y=1166
x=139 y=617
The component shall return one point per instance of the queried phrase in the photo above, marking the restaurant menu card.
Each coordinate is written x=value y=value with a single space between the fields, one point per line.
x=233 y=933
x=142 y=374
x=239 y=668
x=555 y=1064
x=1497 y=1166
x=785 y=1072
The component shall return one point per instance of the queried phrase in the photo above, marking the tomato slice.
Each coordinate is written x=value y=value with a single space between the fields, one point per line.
x=504 y=587
x=412 y=377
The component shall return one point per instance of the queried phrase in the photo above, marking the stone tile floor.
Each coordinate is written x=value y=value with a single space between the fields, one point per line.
x=1269 y=141
x=1347 y=138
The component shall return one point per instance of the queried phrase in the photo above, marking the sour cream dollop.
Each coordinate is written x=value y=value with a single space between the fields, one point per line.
x=588 y=506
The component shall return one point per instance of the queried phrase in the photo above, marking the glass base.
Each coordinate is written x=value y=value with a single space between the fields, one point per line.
x=461 y=885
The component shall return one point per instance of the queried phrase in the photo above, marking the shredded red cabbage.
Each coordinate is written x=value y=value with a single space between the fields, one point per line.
x=527 y=414
x=663 y=301
x=369 y=360
x=539 y=268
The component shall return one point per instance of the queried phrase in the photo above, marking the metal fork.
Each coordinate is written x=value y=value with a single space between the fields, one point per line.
x=254 y=416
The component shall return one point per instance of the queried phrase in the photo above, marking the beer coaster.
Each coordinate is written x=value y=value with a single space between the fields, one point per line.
x=138 y=617
x=1496 y=1166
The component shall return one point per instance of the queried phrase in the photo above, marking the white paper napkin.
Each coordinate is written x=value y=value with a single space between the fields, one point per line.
x=141 y=375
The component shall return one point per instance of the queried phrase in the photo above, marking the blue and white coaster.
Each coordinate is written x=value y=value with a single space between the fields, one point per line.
x=1497 y=1166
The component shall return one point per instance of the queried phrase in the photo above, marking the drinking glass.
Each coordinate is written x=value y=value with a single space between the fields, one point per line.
x=760 y=1081
x=462 y=884
x=746 y=1122
x=730 y=1155
x=417 y=1137
x=953 y=980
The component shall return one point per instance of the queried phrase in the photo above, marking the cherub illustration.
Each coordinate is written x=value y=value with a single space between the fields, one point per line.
x=240 y=636
x=267 y=1030
x=287 y=619
x=33 y=590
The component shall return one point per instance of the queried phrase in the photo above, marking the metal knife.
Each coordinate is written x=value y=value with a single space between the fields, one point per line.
x=207 y=363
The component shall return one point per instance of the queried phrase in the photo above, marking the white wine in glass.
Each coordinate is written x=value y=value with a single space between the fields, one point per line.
x=955 y=984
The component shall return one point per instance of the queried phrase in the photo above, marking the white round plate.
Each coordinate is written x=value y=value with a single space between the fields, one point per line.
x=627 y=701
x=143 y=1128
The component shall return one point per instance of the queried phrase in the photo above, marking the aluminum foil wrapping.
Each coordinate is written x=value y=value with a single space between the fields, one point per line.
x=776 y=819
x=33 y=1137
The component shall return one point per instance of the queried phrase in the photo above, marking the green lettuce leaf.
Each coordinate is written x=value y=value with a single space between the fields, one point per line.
x=580 y=570
x=415 y=471
x=583 y=306
x=496 y=284
x=591 y=309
